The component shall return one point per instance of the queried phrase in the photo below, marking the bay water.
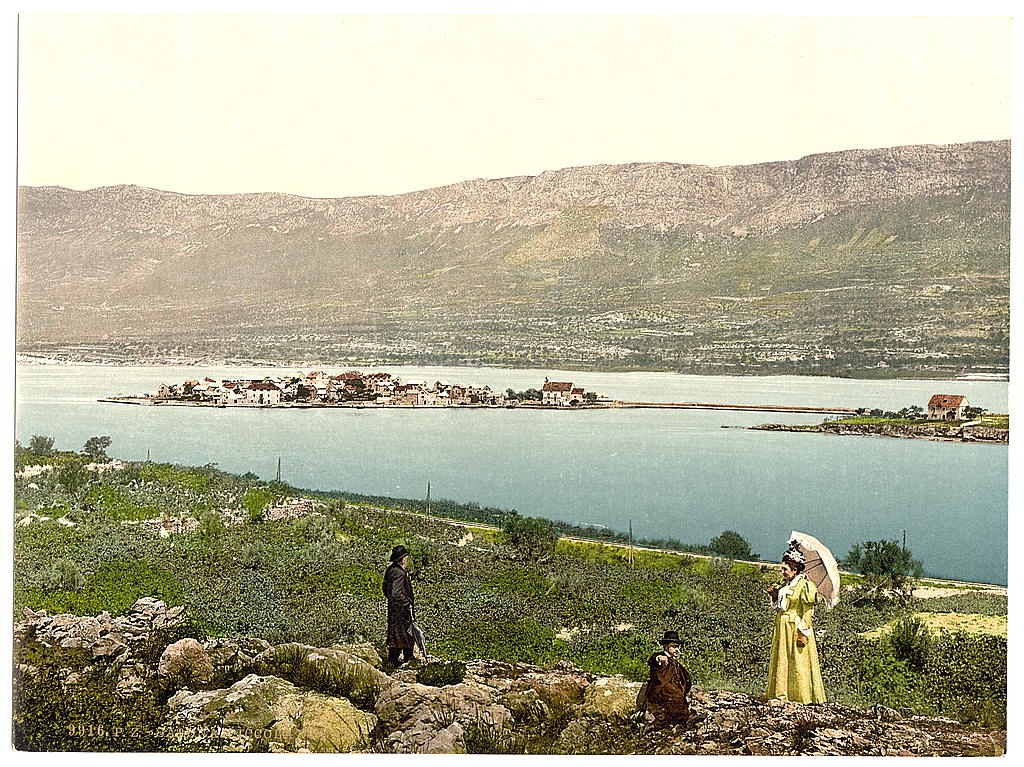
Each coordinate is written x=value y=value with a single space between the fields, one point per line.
x=673 y=473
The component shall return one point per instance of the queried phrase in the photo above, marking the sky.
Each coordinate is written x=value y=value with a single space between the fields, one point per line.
x=347 y=105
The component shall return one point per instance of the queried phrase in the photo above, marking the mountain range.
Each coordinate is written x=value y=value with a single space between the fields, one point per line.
x=887 y=261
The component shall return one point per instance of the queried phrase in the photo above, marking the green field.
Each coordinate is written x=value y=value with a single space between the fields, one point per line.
x=316 y=580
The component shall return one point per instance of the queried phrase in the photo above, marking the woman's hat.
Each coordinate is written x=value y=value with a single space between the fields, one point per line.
x=670 y=636
x=794 y=555
x=398 y=552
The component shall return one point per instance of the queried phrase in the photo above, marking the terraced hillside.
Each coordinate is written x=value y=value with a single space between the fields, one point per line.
x=863 y=262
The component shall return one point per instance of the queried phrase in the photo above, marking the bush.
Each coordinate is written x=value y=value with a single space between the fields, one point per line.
x=421 y=554
x=96 y=448
x=966 y=676
x=441 y=674
x=889 y=572
x=520 y=581
x=910 y=640
x=531 y=537
x=40 y=445
x=733 y=545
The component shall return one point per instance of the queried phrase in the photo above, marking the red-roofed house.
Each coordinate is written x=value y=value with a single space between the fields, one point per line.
x=947 y=407
x=556 y=392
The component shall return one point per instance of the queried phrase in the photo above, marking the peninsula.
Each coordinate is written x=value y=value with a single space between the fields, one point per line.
x=356 y=389
x=949 y=418
x=380 y=389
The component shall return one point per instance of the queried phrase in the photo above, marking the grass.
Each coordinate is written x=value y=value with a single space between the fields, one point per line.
x=969 y=623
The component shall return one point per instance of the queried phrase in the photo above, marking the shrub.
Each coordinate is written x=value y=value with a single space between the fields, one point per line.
x=963 y=670
x=889 y=572
x=421 y=554
x=883 y=678
x=910 y=640
x=441 y=674
x=41 y=445
x=87 y=716
x=731 y=544
x=96 y=448
x=531 y=537
x=255 y=500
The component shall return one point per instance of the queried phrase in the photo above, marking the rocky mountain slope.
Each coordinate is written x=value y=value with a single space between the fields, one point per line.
x=247 y=695
x=835 y=261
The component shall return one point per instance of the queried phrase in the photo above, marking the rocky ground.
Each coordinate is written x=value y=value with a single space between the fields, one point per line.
x=246 y=695
x=931 y=431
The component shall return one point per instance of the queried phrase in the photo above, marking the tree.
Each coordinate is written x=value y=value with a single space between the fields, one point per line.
x=733 y=545
x=41 y=445
x=889 y=572
x=96 y=448
x=970 y=413
x=531 y=537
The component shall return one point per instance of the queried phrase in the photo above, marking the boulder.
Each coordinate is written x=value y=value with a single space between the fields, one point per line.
x=611 y=698
x=259 y=710
x=184 y=663
x=424 y=719
x=329 y=670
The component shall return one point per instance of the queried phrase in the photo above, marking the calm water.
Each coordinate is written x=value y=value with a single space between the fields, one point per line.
x=673 y=473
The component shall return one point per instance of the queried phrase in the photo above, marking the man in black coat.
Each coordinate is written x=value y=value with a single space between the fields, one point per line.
x=398 y=591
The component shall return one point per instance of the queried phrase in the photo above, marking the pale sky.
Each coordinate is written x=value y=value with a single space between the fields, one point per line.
x=334 y=106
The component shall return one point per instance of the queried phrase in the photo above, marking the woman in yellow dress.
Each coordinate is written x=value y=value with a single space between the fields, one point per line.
x=794 y=673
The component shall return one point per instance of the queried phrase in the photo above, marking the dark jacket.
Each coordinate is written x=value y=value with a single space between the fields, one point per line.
x=668 y=689
x=398 y=591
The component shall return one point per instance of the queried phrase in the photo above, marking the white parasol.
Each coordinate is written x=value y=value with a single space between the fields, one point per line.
x=819 y=566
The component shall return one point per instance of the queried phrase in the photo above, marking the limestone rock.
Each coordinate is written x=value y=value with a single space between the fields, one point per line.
x=330 y=670
x=185 y=663
x=611 y=698
x=422 y=719
x=258 y=710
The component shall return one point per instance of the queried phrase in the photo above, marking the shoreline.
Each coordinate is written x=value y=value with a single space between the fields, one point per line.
x=615 y=405
x=931 y=432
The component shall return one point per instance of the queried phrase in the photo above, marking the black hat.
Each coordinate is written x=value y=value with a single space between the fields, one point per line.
x=398 y=552
x=670 y=636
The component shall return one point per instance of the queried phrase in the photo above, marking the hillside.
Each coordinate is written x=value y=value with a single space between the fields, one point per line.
x=828 y=264
x=246 y=565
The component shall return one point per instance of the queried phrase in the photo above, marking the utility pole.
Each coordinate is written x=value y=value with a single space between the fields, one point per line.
x=278 y=478
x=147 y=455
x=631 y=543
x=428 y=497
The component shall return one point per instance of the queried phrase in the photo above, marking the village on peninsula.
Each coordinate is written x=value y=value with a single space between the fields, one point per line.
x=356 y=389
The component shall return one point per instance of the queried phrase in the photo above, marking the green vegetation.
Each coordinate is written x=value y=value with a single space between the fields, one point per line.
x=442 y=673
x=732 y=544
x=316 y=581
x=889 y=572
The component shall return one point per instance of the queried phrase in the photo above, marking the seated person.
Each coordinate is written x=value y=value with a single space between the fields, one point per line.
x=665 y=701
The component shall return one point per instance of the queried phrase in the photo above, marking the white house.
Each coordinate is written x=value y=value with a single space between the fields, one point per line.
x=947 y=407
x=556 y=392
x=263 y=393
